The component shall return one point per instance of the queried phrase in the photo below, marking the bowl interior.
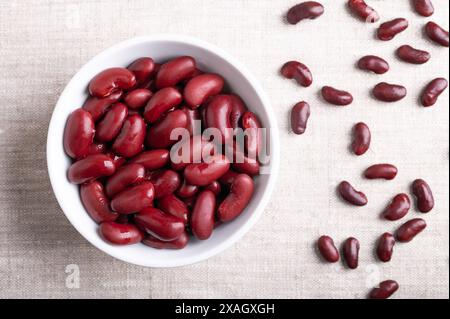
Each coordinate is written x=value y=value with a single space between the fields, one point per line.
x=209 y=58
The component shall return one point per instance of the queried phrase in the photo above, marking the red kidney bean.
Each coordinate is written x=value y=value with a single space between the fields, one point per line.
x=228 y=178
x=152 y=160
x=381 y=171
x=336 y=97
x=361 y=139
x=432 y=91
x=424 y=196
x=424 y=7
x=190 y=202
x=437 y=34
x=237 y=111
x=218 y=114
x=121 y=234
x=202 y=218
x=143 y=69
x=166 y=182
x=133 y=199
x=410 y=229
x=248 y=166
x=111 y=80
x=197 y=149
x=91 y=168
x=110 y=126
x=130 y=174
x=97 y=107
x=351 y=252
x=138 y=98
x=398 y=208
x=408 y=54
x=97 y=148
x=131 y=138
x=163 y=226
x=327 y=249
x=96 y=203
x=299 y=72
x=305 y=10
x=117 y=160
x=241 y=192
x=179 y=243
x=388 y=30
x=253 y=137
x=187 y=191
x=387 y=289
x=79 y=134
x=385 y=247
x=203 y=174
x=362 y=10
x=352 y=196
x=159 y=135
x=202 y=87
x=193 y=120
x=389 y=92
x=299 y=117
x=175 y=71
x=373 y=64
x=170 y=204
x=161 y=102
x=215 y=188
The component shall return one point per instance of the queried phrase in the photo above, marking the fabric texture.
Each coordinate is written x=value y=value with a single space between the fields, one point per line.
x=44 y=43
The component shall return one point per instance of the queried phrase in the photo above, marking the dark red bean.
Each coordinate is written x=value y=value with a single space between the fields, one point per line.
x=202 y=218
x=172 y=205
x=385 y=247
x=131 y=138
x=398 y=208
x=424 y=7
x=214 y=187
x=134 y=199
x=138 y=98
x=432 y=91
x=299 y=117
x=160 y=134
x=424 y=196
x=96 y=202
x=336 y=97
x=111 y=80
x=351 y=252
x=121 y=234
x=190 y=202
x=373 y=64
x=361 y=139
x=193 y=120
x=152 y=160
x=299 y=72
x=202 y=87
x=161 y=102
x=253 y=135
x=327 y=249
x=352 y=196
x=241 y=192
x=389 y=92
x=410 y=229
x=163 y=226
x=166 y=182
x=381 y=171
x=247 y=166
x=218 y=115
x=187 y=191
x=109 y=127
x=175 y=71
x=386 y=289
x=388 y=30
x=228 y=178
x=179 y=243
x=408 y=54
x=91 y=168
x=79 y=134
x=363 y=11
x=143 y=69
x=203 y=174
x=130 y=174
x=304 y=10
x=117 y=160
x=97 y=148
x=97 y=107
x=437 y=34
x=237 y=111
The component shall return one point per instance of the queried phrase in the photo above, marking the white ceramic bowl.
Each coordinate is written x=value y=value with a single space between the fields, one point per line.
x=160 y=48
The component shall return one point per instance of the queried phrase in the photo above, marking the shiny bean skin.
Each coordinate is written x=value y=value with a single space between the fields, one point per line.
x=253 y=137
x=389 y=92
x=437 y=34
x=130 y=141
x=409 y=230
x=203 y=174
x=351 y=252
x=133 y=199
x=398 y=208
x=327 y=249
x=166 y=182
x=121 y=234
x=381 y=171
x=117 y=160
x=385 y=247
x=241 y=192
x=163 y=226
x=187 y=191
x=336 y=97
x=202 y=87
x=97 y=106
x=361 y=139
x=432 y=91
x=79 y=134
x=218 y=113
x=111 y=124
x=170 y=204
x=111 y=80
x=193 y=120
x=175 y=71
x=202 y=218
x=424 y=7
x=304 y=10
x=373 y=64
x=299 y=117
x=364 y=11
x=424 y=196
x=237 y=111
x=152 y=160
x=97 y=148
x=159 y=135
x=408 y=54
x=179 y=243
x=215 y=188
x=125 y=176
x=388 y=30
x=143 y=69
x=352 y=196
x=299 y=72
x=96 y=202
x=161 y=102
x=386 y=289
x=91 y=168
x=138 y=98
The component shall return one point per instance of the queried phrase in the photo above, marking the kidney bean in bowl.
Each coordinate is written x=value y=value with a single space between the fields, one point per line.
x=136 y=184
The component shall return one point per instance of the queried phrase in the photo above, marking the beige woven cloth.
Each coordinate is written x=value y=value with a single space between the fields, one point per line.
x=43 y=44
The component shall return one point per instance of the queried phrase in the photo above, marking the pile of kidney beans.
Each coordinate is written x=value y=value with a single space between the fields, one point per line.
x=385 y=92
x=121 y=147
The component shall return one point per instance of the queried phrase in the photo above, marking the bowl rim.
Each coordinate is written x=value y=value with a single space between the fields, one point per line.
x=274 y=144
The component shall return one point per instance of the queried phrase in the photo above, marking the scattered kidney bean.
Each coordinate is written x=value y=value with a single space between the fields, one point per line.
x=437 y=34
x=97 y=106
x=398 y=208
x=389 y=92
x=127 y=175
x=179 y=243
x=351 y=252
x=170 y=204
x=142 y=69
x=381 y=171
x=138 y=98
x=131 y=138
x=388 y=30
x=374 y=64
x=432 y=91
x=385 y=247
x=237 y=111
x=166 y=182
x=152 y=160
x=386 y=289
x=175 y=71
x=408 y=54
x=79 y=134
x=96 y=202
x=362 y=10
x=237 y=200
x=327 y=249
x=121 y=234
x=203 y=174
x=111 y=80
x=410 y=229
x=352 y=196
x=424 y=196
x=202 y=87
x=424 y=7
x=163 y=226
x=304 y=10
x=91 y=168
x=161 y=102
x=299 y=117
x=361 y=139
x=159 y=135
x=202 y=219
x=253 y=137
x=109 y=127
x=299 y=72
x=336 y=97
